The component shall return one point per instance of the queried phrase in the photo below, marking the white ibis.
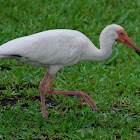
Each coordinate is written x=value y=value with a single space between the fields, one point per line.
x=58 y=48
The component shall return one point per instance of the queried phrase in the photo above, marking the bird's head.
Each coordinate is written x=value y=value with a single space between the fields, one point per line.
x=117 y=33
x=122 y=37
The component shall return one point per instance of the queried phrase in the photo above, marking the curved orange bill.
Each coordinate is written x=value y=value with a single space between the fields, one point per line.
x=130 y=43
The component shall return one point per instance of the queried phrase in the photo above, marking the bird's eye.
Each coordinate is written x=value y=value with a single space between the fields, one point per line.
x=121 y=33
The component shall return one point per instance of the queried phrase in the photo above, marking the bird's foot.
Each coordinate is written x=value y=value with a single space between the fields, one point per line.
x=46 y=118
x=49 y=121
x=87 y=99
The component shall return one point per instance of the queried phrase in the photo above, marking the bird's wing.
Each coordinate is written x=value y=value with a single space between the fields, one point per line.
x=61 y=48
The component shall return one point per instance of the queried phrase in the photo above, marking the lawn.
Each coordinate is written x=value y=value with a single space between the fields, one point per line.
x=114 y=84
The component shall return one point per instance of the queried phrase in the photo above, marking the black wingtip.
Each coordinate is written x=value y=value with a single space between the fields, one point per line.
x=15 y=55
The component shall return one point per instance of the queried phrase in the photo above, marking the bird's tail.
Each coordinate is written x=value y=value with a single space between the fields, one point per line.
x=9 y=50
x=2 y=53
x=1 y=56
x=6 y=53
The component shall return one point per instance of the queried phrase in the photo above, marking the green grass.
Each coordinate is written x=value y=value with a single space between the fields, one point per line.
x=114 y=84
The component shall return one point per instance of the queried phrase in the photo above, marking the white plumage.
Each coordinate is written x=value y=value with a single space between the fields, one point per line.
x=58 y=48
x=54 y=49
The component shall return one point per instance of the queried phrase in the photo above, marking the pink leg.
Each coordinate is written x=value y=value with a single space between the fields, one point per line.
x=78 y=93
x=42 y=96
x=48 y=87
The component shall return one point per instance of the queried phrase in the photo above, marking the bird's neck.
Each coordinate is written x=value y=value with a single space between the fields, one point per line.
x=106 y=45
x=105 y=51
